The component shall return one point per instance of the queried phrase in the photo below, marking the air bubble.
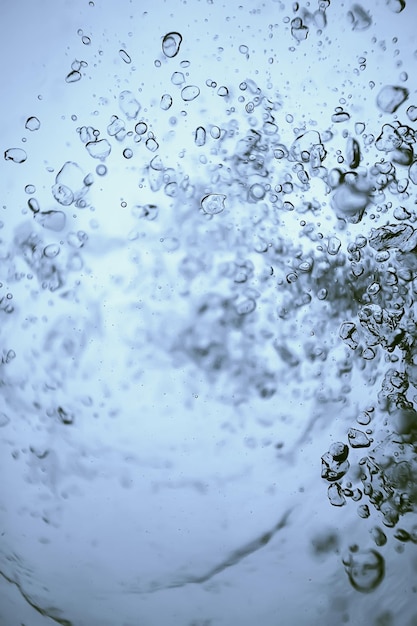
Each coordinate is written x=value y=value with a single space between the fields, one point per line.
x=358 y=439
x=353 y=153
x=401 y=213
x=246 y=306
x=189 y=93
x=412 y=173
x=333 y=245
x=257 y=192
x=171 y=44
x=378 y=536
x=177 y=78
x=335 y=495
x=363 y=511
x=78 y=239
x=200 y=136
x=51 y=251
x=101 y=170
x=73 y=77
x=141 y=128
x=334 y=463
x=17 y=155
x=222 y=91
x=51 y=220
x=298 y=30
x=213 y=203
x=116 y=128
x=124 y=56
x=127 y=153
x=412 y=113
x=340 y=116
x=129 y=105
x=166 y=102
x=99 y=149
x=359 y=18
x=152 y=144
x=390 y=98
x=365 y=569
x=33 y=205
x=396 y=6
x=32 y=123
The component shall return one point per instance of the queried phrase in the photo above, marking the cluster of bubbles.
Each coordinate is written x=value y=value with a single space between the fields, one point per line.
x=254 y=202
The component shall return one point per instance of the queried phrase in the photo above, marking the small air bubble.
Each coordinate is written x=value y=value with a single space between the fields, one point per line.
x=17 y=155
x=365 y=569
x=129 y=105
x=246 y=306
x=152 y=144
x=32 y=123
x=340 y=116
x=51 y=251
x=390 y=98
x=166 y=102
x=333 y=245
x=291 y=277
x=101 y=170
x=200 y=136
x=99 y=149
x=33 y=205
x=412 y=113
x=363 y=511
x=73 y=77
x=171 y=44
x=141 y=128
x=124 y=56
x=213 y=203
x=189 y=93
x=177 y=78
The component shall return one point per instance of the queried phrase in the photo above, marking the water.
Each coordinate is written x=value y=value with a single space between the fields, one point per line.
x=207 y=287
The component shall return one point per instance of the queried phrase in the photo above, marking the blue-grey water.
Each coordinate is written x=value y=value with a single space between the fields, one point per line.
x=208 y=276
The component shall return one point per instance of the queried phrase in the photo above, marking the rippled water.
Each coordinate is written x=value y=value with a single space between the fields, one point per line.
x=208 y=325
